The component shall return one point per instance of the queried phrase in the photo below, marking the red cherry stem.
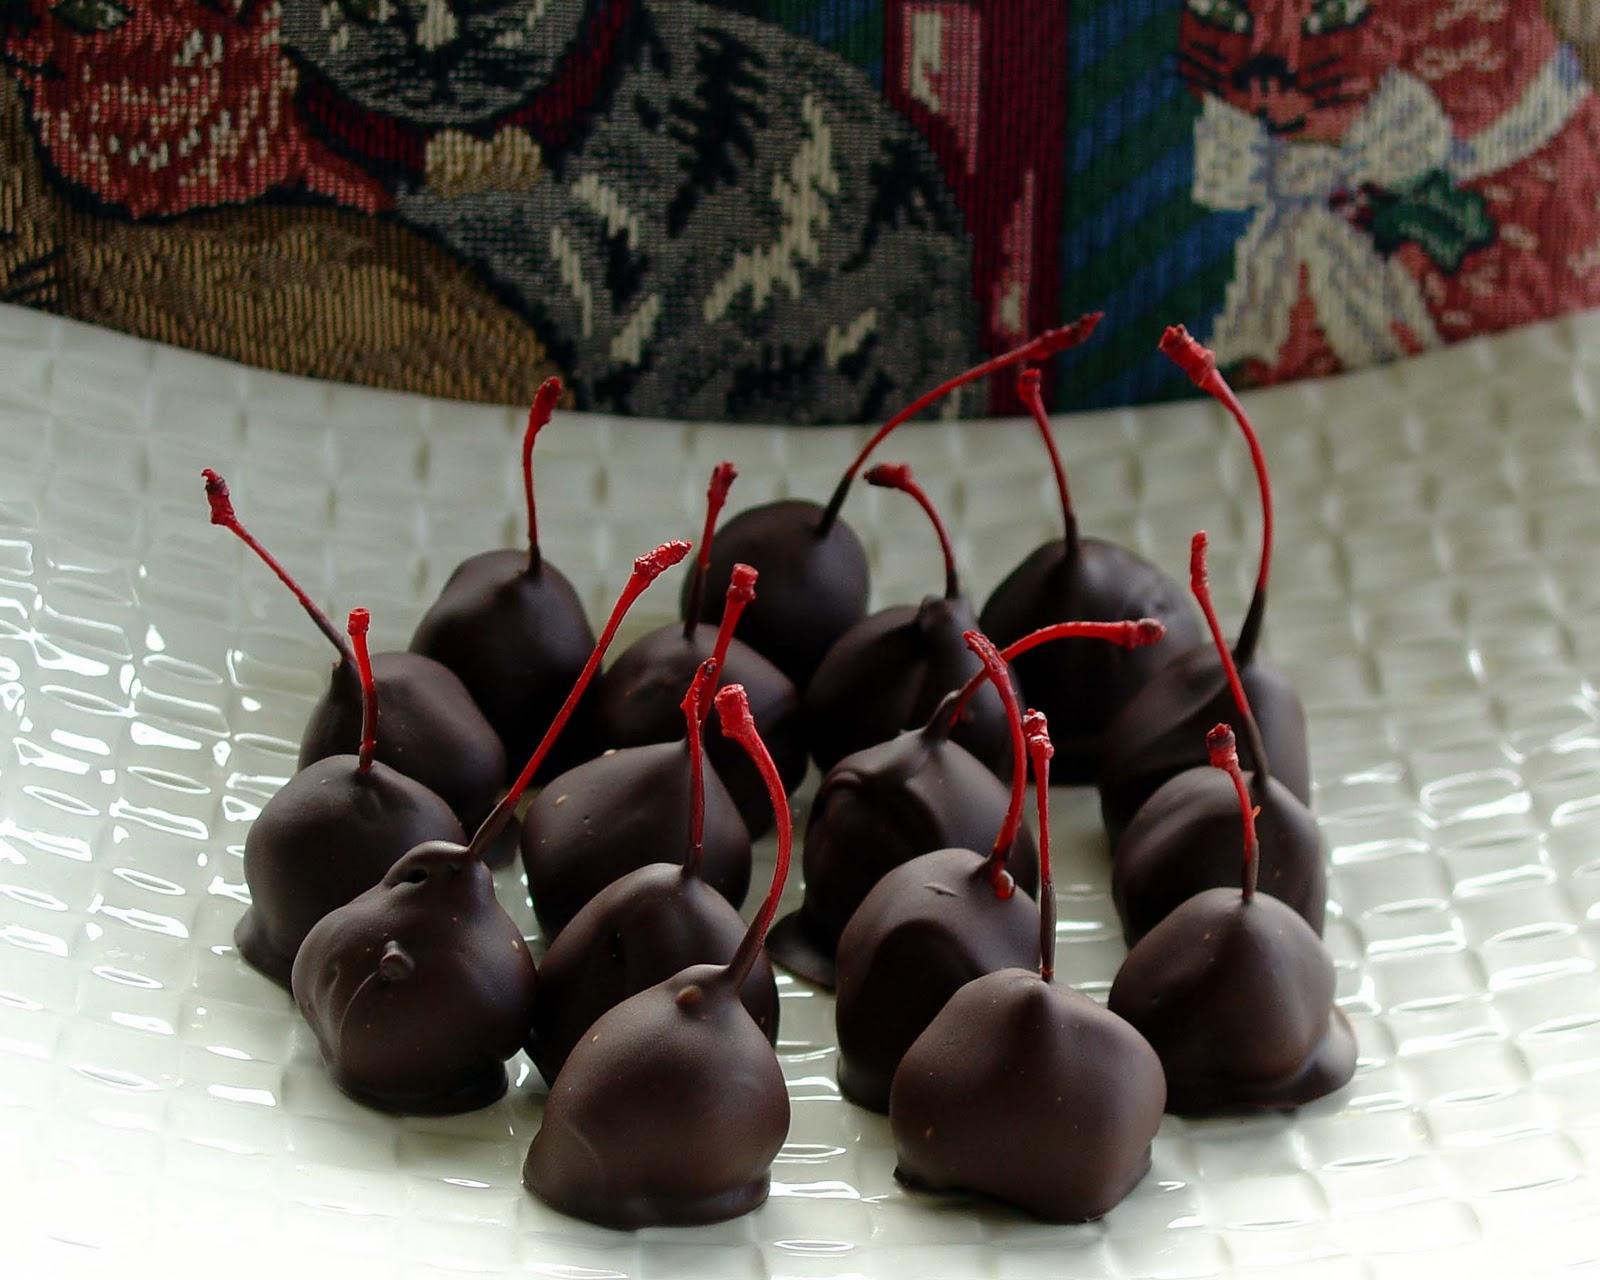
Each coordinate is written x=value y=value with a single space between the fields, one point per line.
x=1037 y=731
x=897 y=475
x=1200 y=363
x=741 y=591
x=544 y=404
x=694 y=713
x=357 y=626
x=1047 y=344
x=646 y=569
x=1224 y=753
x=1127 y=635
x=222 y=513
x=995 y=669
x=722 y=477
x=1200 y=584
x=1029 y=392
x=733 y=710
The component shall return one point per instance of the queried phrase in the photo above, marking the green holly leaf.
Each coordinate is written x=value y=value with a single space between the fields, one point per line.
x=90 y=17
x=1445 y=221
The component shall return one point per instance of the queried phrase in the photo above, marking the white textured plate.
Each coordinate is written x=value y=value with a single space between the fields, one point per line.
x=1437 y=599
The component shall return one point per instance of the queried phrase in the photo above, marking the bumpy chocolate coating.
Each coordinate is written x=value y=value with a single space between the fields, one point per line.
x=813 y=589
x=1028 y=1093
x=670 y=1112
x=927 y=929
x=1081 y=684
x=328 y=835
x=1162 y=731
x=1187 y=836
x=432 y=731
x=875 y=811
x=518 y=641
x=617 y=813
x=636 y=932
x=888 y=673
x=1236 y=998
x=420 y=989
x=639 y=702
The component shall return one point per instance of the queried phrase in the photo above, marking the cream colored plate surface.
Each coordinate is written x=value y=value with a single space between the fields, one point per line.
x=1437 y=599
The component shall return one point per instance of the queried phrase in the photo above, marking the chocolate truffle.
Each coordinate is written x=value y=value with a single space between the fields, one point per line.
x=906 y=797
x=328 y=835
x=1234 y=991
x=927 y=929
x=670 y=1111
x=645 y=927
x=812 y=564
x=1185 y=838
x=637 y=702
x=889 y=671
x=596 y=823
x=1025 y=1092
x=1160 y=731
x=421 y=988
x=433 y=731
x=1078 y=685
x=510 y=625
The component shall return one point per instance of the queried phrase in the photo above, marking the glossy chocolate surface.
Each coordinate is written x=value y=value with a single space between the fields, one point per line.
x=421 y=988
x=1030 y=1094
x=327 y=836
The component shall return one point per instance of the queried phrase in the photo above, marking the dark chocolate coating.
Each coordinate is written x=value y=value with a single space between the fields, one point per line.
x=888 y=673
x=1236 y=998
x=812 y=589
x=927 y=929
x=617 y=813
x=641 y=701
x=518 y=640
x=1188 y=837
x=420 y=989
x=430 y=729
x=1081 y=684
x=669 y=1113
x=328 y=835
x=1031 y=1094
x=636 y=932
x=1162 y=731
x=875 y=811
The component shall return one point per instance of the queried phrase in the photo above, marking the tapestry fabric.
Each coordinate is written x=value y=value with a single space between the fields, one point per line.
x=797 y=210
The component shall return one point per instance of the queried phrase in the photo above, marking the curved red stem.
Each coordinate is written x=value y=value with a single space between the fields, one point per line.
x=733 y=711
x=995 y=669
x=694 y=713
x=1224 y=754
x=222 y=513
x=1029 y=392
x=722 y=477
x=1047 y=344
x=646 y=569
x=897 y=475
x=544 y=404
x=357 y=626
x=1037 y=731
x=741 y=591
x=1200 y=363
x=1200 y=584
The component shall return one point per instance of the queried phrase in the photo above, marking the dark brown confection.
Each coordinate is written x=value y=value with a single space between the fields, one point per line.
x=1021 y=1091
x=927 y=929
x=329 y=834
x=1186 y=837
x=670 y=1111
x=1234 y=991
x=509 y=624
x=1081 y=685
x=889 y=671
x=638 y=703
x=643 y=928
x=1030 y=1094
x=813 y=566
x=1161 y=729
x=420 y=989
